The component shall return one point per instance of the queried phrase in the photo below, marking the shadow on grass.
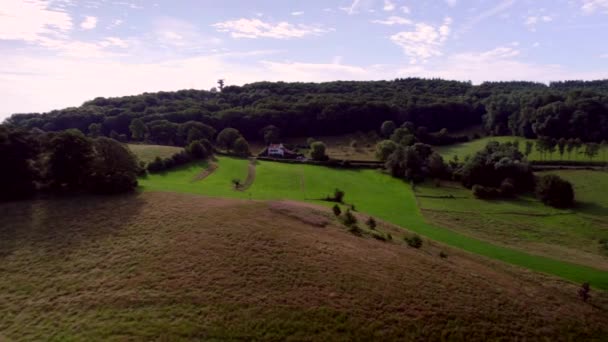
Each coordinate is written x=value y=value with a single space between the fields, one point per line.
x=64 y=222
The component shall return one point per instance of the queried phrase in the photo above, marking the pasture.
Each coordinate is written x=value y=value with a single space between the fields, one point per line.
x=372 y=193
x=526 y=224
x=148 y=153
x=470 y=148
x=172 y=266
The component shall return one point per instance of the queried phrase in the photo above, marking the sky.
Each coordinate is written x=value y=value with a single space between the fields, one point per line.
x=60 y=53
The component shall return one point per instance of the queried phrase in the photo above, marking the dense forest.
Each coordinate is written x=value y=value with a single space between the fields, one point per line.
x=571 y=109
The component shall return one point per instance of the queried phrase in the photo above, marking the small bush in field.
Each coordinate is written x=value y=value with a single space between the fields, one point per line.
x=389 y=237
x=349 y=219
x=378 y=236
x=583 y=292
x=336 y=210
x=414 y=241
x=371 y=223
x=443 y=255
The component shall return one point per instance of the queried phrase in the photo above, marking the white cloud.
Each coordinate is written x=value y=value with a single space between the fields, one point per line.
x=604 y=55
x=176 y=33
x=297 y=13
x=591 y=6
x=352 y=9
x=393 y=20
x=536 y=44
x=405 y=9
x=451 y=3
x=501 y=7
x=255 y=28
x=31 y=21
x=88 y=23
x=116 y=23
x=389 y=6
x=532 y=21
x=424 y=42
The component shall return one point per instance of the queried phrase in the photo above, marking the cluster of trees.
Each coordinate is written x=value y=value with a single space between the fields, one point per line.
x=500 y=170
x=405 y=156
x=547 y=146
x=196 y=150
x=64 y=162
x=560 y=110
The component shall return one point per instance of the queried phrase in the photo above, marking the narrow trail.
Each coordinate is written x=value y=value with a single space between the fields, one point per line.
x=250 y=175
x=206 y=172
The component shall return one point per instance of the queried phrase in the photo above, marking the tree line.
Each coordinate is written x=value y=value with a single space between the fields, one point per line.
x=559 y=110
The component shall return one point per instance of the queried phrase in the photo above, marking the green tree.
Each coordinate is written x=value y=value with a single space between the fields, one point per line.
x=138 y=129
x=94 y=130
x=387 y=128
x=384 y=149
x=70 y=160
x=18 y=150
x=317 y=151
x=569 y=148
x=591 y=150
x=241 y=147
x=604 y=147
x=529 y=146
x=555 y=191
x=197 y=150
x=561 y=145
x=227 y=138
x=270 y=134
x=114 y=168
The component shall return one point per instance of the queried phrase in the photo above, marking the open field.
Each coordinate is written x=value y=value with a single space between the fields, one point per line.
x=148 y=153
x=525 y=223
x=372 y=192
x=180 y=267
x=469 y=148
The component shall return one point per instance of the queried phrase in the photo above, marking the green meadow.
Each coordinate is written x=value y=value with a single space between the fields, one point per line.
x=371 y=191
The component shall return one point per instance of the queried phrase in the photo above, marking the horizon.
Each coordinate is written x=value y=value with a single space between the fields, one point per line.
x=61 y=53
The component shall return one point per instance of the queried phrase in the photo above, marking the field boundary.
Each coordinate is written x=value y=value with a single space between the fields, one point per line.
x=497 y=212
x=206 y=172
x=250 y=175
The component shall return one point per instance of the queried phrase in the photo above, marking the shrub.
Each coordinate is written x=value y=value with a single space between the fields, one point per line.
x=378 y=236
x=349 y=219
x=236 y=182
x=371 y=223
x=157 y=165
x=414 y=241
x=338 y=196
x=555 y=191
x=583 y=292
x=337 y=210
x=443 y=255
x=389 y=237
x=197 y=150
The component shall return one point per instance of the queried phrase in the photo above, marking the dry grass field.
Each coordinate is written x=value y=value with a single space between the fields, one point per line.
x=183 y=267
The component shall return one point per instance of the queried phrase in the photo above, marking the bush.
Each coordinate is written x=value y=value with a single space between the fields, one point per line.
x=389 y=237
x=415 y=241
x=337 y=210
x=507 y=187
x=349 y=219
x=555 y=191
x=197 y=150
x=338 y=196
x=443 y=255
x=483 y=192
x=378 y=236
x=371 y=223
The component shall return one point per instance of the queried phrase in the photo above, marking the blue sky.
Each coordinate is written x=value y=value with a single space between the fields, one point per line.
x=59 y=53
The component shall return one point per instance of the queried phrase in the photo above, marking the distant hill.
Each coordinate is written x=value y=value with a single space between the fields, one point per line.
x=183 y=267
x=572 y=109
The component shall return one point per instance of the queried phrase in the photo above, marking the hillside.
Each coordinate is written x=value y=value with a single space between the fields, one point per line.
x=567 y=109
x=177 y=266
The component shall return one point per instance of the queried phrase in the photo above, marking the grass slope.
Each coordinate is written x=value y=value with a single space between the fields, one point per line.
x=167 y=266
x=372 y=192
x=469 y=148
x=525 y=223
x=148 y=153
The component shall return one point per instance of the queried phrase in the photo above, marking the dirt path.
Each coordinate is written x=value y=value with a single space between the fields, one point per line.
x=206 y=172
x=250 y=175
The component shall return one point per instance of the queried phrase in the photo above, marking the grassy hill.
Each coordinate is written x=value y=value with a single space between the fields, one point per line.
x=180 y=267
x=371 y=191
x=469 y=148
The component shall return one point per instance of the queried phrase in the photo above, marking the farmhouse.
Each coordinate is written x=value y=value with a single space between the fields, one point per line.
x=279 y=151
